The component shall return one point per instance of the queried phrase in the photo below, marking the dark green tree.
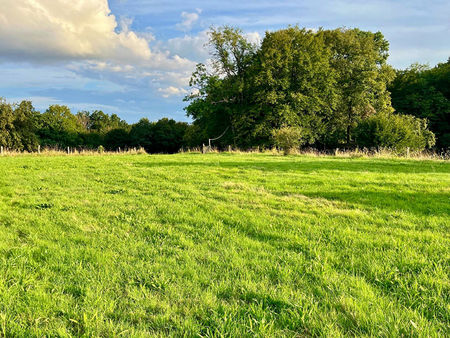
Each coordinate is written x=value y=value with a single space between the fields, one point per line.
x=168 y=136
x=425 y=92
x=141 y=134
x=58 y=127
x=8 y=136
x=18 y=126
x=295 y=85
x=25 y=124
x=117 y=138
x=358 y=59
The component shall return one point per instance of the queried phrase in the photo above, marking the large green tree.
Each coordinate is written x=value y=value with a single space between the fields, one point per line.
x=358 y=59
x=323 y=82
x=295 y=85
x=221 y=93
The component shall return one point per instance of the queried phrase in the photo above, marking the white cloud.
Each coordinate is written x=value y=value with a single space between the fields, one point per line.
x=253 y=37
x=64 y=30
x=188 y=20
x=61 y=29
x=191 y=46
x=172 y=91
x=88 y=40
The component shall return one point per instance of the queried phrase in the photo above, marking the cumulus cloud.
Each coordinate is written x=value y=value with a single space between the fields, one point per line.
x=192 y=47
x=64 y=30
x=89 y=40
x=172 y=91
x=188 y=20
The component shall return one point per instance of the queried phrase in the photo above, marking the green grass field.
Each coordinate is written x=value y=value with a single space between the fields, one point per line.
x=224 y=244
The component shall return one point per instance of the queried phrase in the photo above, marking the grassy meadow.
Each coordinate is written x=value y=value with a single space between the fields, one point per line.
x=224 y=245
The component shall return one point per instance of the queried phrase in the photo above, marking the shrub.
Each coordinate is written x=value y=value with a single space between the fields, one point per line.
x=287 y=138
x=396 y=132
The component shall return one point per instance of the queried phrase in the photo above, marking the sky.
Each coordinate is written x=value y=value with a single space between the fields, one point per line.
x=134 y=57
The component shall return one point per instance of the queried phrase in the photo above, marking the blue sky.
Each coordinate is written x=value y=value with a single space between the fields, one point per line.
x=134 y=57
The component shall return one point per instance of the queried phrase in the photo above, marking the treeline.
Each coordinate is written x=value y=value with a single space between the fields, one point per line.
x=325 y=89
x=23 y=128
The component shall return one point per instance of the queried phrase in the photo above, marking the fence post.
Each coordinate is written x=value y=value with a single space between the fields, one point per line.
x=39 y=149
x=68 y=150
x=407 y=152
x=1 y=150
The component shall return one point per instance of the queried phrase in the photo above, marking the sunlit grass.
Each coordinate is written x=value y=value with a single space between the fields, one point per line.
x=223 y=244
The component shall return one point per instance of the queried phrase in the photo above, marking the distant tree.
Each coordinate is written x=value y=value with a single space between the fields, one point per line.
x=8 y=136
x=163 y=136
x=18 y=126
x=141 y=134
x=221 y=95
x=425 y=92
x=91 y=140
x=324 y=82
x=83 y=118
x=168 y=136
x=58 y=127
x=25 y=124
x=194 y=136
x=117 y=138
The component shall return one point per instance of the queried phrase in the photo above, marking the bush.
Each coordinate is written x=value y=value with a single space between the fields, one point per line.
x=287 y=138
x=396 y=132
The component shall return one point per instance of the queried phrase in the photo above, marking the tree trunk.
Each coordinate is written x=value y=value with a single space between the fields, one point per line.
x=348 y=136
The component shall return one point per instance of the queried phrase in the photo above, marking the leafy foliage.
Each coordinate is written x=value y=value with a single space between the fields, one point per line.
x=425 y=93
x=18 y=126
x=287 y=138
x=394 y=131
x=324 y=82
x=23 y=128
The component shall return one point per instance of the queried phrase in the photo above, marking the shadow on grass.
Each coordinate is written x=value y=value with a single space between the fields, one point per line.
x=417 y=203
x=310 y=165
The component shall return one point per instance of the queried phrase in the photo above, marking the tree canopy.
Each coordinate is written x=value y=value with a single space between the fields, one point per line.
x=22 y=128
x=425 y=92
x=324 y=82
